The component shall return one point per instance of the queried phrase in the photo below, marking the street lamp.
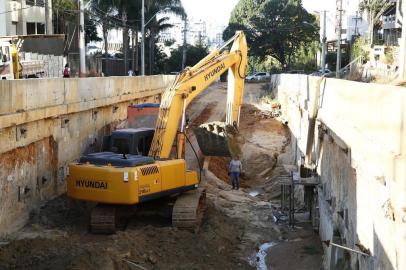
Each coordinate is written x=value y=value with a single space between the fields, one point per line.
x=143 y=24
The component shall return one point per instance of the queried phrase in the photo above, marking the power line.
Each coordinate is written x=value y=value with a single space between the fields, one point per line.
x=14 y=10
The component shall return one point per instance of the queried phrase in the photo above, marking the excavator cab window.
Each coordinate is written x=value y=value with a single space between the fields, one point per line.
x=121 y=146
x=141 y=146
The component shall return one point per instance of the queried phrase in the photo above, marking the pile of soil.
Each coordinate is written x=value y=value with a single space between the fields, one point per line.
x=149 y=242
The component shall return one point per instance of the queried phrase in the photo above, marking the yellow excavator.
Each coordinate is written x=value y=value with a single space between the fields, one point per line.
x=144 y=164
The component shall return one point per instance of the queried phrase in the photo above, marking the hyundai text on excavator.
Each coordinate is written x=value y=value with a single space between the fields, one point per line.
x=144 y=164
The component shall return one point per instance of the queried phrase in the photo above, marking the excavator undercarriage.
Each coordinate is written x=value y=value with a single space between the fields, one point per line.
x=187 y=213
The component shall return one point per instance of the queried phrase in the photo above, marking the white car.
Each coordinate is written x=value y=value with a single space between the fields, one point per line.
x=259 y=76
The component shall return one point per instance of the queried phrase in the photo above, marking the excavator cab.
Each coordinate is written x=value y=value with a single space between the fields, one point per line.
x=135 y=141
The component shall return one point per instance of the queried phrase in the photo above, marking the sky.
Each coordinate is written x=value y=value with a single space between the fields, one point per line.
x=211 y=11
x=319 y=5
x=218 y=11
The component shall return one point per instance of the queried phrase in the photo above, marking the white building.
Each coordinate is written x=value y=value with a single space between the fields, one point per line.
x=24 y=17
x=198 y=31
x=391 y=20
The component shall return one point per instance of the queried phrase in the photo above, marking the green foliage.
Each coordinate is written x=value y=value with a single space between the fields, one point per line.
x=331 y=59
x=305 y=58
x=63 y=10
x=358 y=49
x=389 y=56
x=193 y=55
x=276 y=28
x=255 y=64
x=373 y=6
x=90 y=29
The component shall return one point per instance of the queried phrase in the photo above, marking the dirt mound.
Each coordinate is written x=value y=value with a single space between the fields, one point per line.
x=62 y=213
x=261 y=141
x=146 y=243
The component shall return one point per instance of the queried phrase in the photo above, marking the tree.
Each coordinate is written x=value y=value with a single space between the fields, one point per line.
x=90 y=29
x=103 y=11
x=276 y=28
x=194 y=55
x=66 y=17
x=129 y=12
x=63 y=15
x=160 y=24
x=374 y=9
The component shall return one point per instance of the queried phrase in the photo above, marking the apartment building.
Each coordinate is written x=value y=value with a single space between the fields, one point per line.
x=391 y=30
x=25 y=17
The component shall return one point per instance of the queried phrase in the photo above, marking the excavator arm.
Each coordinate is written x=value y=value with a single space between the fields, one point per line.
x=193 y=81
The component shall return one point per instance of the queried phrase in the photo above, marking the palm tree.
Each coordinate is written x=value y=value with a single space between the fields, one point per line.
x=157 y=25
x=128 y=14
x=103 y=10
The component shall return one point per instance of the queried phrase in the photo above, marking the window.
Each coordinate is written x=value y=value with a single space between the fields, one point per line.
x=31 y=28
x=7 y=53
x=39 y=3
x=141 y=146
x=13 y=29
x=40 y=28
x=4 y=54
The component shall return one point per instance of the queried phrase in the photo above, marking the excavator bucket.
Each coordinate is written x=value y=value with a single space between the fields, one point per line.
x=218 y=139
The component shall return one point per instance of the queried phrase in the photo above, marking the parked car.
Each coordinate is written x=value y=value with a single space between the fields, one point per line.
x=259 y=76
x=326 y=73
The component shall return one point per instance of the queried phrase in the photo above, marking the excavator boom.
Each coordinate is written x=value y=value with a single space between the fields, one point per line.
x=193 y=81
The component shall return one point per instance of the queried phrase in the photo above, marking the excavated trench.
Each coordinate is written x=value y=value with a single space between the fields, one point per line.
x=235 y=232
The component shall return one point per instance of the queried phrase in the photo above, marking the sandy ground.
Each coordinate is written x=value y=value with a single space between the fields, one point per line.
x=235 y=228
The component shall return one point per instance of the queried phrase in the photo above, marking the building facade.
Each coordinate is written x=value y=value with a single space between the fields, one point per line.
x=25 y=17
x=198 y=32
x=391 y=30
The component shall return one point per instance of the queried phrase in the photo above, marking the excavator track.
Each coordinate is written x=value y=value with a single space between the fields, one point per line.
x=107 y=219
x=189 y=209
x=103 y=219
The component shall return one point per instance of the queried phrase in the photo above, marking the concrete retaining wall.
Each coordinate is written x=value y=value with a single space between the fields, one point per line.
x=47 y=123
x=360 y=154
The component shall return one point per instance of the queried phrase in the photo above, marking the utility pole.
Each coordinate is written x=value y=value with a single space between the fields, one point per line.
x=184 y=42
x=357 y=18
x=125 y=43
x=339 y=31
x=143 y=39
x=46 y=16
x=82 y=51
x=324 y=43
x=133 y=65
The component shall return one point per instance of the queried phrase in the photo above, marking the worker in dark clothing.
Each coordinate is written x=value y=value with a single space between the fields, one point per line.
x=235 y=170
x=66 y=71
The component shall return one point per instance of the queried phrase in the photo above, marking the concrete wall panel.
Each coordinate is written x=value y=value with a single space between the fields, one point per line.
x=46 y=124
x=359 y=153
